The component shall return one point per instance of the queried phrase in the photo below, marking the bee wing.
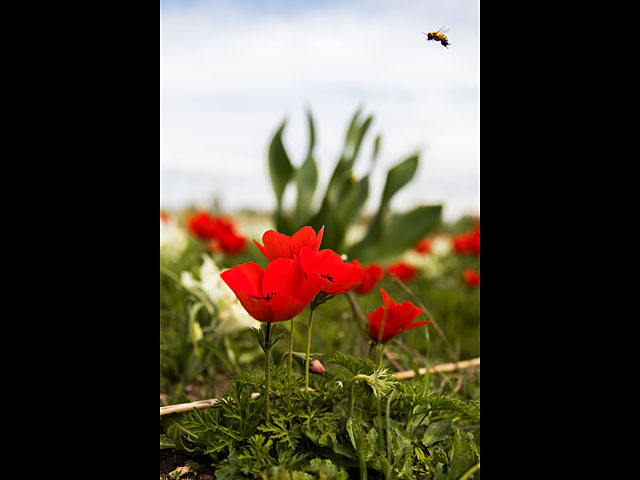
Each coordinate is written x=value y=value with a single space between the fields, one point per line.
x=442 y=30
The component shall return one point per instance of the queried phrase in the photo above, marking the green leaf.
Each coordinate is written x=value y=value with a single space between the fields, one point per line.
x=397 y=177
x=436 y=432
x=165 y=442
x=280 y=168
x=326 y=469
x=461 y=457
x=340 y=186
x=442 y=403
x=353 y=199
x=401 y=233
x=475 y=442
x=306 y=180
x=195 y=330
x=376 y=149
x=357 y=437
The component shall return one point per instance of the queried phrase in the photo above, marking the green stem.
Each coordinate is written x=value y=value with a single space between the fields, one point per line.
x=306 y=368
x=352 y=397
x=389 y=451
x=381 y=354
x=291 y=347
x=378 y=406
x=471 y=471
x=267 y=370
x=381 y=335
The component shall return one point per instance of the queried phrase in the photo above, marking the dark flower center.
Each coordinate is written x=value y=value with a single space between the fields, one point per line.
x=269 y=296
x=328 y=277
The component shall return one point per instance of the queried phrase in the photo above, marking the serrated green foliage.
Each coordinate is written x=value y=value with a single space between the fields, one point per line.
x=281 y=429
x=461 y=456
x=436 y=432
x=475 y=442
x=314 y=437
x=353 y=364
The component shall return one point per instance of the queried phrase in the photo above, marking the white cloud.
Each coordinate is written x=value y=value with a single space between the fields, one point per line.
x=229 y=76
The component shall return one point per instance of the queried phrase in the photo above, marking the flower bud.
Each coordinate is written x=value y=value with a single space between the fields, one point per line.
x=316 y=367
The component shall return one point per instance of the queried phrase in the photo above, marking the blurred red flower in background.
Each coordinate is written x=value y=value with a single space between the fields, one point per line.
x=202 y=225
x=467 y=243
x=423 y=246
x=279 y=245
x=219 y=233
x=403 y=271
x=471 y=277
x=371 y=275
x=398 y=319
x=339 y=276
x=276 y=294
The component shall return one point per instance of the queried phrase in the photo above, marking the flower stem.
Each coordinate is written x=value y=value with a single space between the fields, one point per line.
x=381 y=334
x=267 y=370
x=378 y=406
x=306 y=367
x=291 y=347
x=352 y=397
x=382 y=345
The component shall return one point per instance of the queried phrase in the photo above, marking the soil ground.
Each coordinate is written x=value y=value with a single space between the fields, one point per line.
x=176 y=464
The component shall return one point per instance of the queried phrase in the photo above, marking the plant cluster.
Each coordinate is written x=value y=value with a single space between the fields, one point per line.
x=357 y=422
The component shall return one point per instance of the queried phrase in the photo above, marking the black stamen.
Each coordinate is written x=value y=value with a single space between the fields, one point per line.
x=328 y=277
x=270 y=296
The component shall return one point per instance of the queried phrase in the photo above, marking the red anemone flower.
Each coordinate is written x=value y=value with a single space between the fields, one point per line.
x=279 y=245
x=226 y=238
x=339 y=276
x=397 y=318
x=219 y=233
x=471 y=277
x=371 y=275
x=403 y=271
x=276 y=294
x=423 y=246
x=202 y=225
x=467 y=243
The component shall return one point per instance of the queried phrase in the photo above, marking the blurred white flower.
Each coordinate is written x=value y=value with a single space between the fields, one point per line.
x=173 y=239
x=430 y=265
x=441 y=246
x=232 y=315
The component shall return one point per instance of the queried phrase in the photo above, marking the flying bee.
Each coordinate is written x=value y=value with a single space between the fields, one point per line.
x=439 y=36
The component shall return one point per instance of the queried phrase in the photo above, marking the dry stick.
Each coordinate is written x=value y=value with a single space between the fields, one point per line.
x=357 y=312
x=215 y=402
x=426 y=313
x=442 y=368
x=391 y=359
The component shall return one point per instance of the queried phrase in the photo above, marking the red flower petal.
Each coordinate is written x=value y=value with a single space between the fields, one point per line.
x=340 y=277
x=371 y=275
x=276 y=245
x=246 y=282
x=399 y=318
x=305 y=237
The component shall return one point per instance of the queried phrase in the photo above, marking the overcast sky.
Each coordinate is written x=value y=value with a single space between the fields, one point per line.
x=232 y=71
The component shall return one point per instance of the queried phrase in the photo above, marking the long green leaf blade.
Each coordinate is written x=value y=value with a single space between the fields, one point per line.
x=280 y=168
